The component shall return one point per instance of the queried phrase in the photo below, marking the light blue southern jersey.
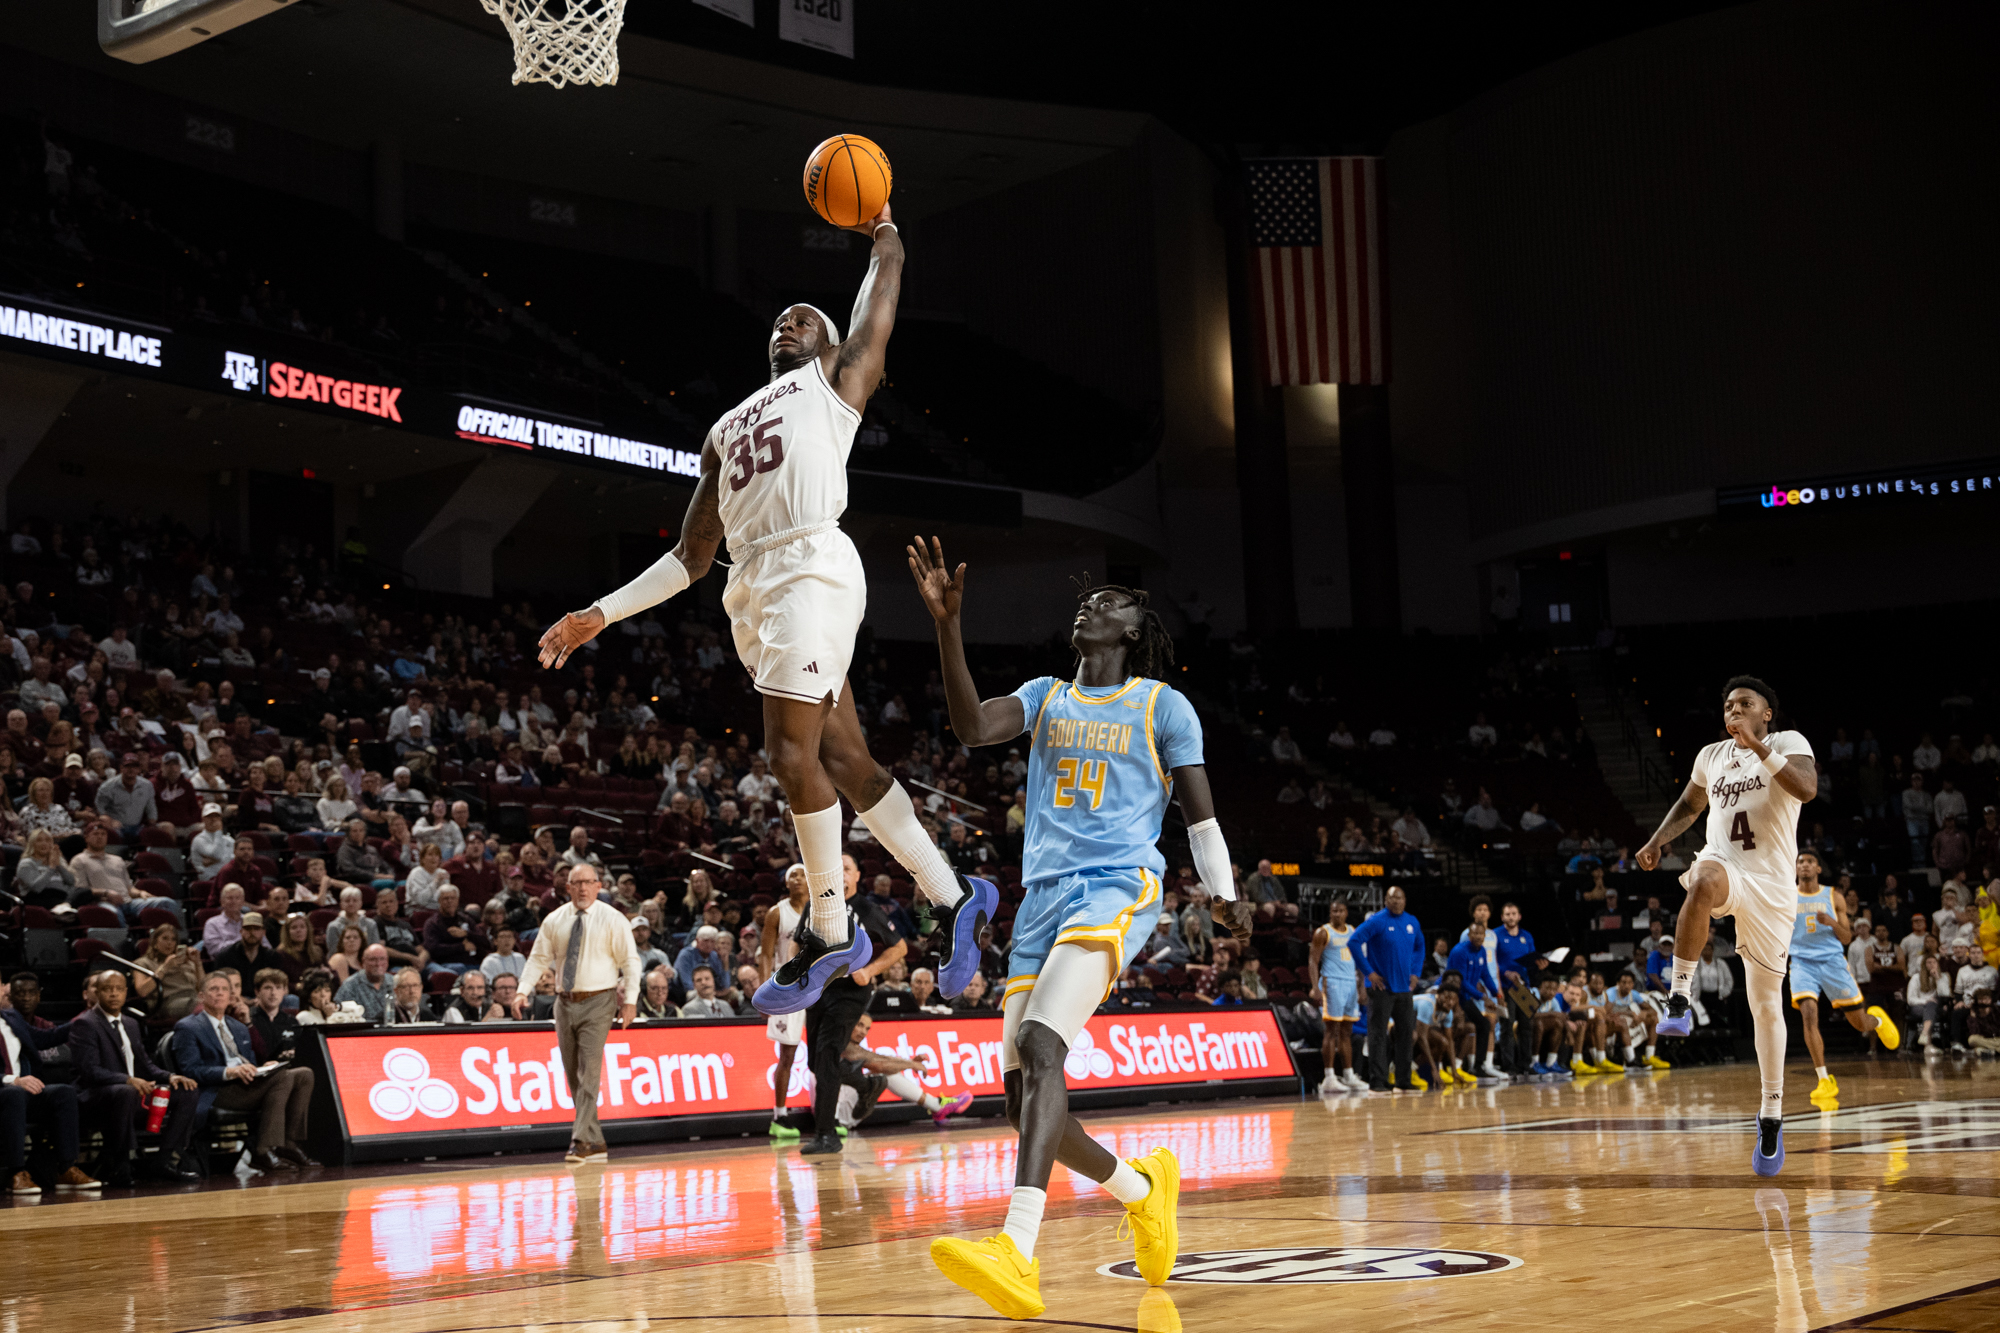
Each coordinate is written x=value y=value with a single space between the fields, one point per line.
x=1812 y=938
x=1335 y=962
x=1100 y=765
x=1424 y=1005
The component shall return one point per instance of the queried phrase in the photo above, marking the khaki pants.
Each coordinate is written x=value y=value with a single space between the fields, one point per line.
x=1983 y=1043
x=280 y=1100
x=580 y=1032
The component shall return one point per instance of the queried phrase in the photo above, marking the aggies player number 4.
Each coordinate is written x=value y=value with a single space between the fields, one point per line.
x=1753 y=785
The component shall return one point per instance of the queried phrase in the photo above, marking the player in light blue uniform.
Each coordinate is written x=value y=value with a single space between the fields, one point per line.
x=1108 y=751
x=1820 y=935
x=1339 y=1002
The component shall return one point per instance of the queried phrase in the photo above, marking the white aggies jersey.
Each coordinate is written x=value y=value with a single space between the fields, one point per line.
x=784 y=457
x=1753 y=823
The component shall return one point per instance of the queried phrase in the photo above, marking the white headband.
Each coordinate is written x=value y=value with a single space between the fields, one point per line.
x=832 y=329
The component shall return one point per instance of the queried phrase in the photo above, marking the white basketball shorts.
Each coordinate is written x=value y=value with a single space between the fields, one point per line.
x=786 y=1029
x=794 y=611
x=1764 y=913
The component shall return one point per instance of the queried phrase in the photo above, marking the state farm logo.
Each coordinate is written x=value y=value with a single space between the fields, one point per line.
x=407 y=1088
x=1086 y=1060
x=1347 y=1263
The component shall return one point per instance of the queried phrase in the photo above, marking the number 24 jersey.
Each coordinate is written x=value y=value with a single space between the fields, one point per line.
x=1100 y=767
x=1753 y=823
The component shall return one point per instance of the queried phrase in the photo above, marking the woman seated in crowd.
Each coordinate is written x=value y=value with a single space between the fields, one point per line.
x=399 y=849
x=347 y=960
x=169 y=994
x=429 y=875
x=316 y=999
x=436 y=826
x=298 y=940
x=43 y=878
x=42 y=811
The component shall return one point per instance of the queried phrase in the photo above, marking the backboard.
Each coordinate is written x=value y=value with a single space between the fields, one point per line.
x=143 y=30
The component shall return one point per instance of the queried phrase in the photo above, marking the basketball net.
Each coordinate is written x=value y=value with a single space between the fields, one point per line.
x=560 y=42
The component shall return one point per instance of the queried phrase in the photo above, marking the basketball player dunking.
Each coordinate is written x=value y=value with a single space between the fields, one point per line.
x=775 y=948
x=774 y=482
x=1754 y=785
x=1108 y=751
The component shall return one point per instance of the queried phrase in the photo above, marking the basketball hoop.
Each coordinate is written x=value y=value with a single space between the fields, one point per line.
x=560 y=42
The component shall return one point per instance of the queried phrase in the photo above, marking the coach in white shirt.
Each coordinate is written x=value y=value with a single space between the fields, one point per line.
x=588 y=945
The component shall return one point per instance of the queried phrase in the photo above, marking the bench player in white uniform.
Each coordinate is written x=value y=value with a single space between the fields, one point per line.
x=775 y=947
x=774 y=482
x=1754 y=784
x=1109 y=751
x=1820 y=936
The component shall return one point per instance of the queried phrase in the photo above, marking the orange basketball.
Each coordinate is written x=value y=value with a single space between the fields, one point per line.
x=847 y=180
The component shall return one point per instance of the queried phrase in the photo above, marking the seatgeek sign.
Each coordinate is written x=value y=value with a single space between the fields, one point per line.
x=1974 y=479
x=430 y=1080
x=317 y=378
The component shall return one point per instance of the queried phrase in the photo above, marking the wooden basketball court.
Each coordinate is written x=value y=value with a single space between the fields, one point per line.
x=1624 y=1199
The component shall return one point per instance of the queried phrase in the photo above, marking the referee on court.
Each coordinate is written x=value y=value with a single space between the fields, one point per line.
x=588 y=945
x=830 y=1021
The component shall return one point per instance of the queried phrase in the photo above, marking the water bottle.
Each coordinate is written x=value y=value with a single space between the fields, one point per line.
x=156 y=1108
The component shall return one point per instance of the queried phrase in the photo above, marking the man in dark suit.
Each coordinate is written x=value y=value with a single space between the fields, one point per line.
x=213 y=1049
x=28 y=1103
x=115 y=1074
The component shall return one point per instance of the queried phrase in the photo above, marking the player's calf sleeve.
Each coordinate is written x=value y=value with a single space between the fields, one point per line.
x=1766 y=992
x=905 y=1085
x=893 y=821
x=819 y=848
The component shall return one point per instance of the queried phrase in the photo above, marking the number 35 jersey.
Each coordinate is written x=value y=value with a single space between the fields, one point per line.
x=784 y=457
x=1753 y=823
x=1100 y=768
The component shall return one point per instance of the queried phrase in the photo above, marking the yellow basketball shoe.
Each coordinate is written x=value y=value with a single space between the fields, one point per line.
x=1887 y=1032
x=1828 y=1088
x=1578 y=1067
x=1609 y=1066
x=1417 y=1081
x=1655 y=1062
x=994 y=1271
x=1155 y=1219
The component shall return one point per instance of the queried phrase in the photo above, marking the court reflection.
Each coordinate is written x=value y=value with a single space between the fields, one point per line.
x=743 y=1201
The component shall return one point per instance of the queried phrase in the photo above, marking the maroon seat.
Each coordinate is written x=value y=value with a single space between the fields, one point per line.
x=151 y=835
x=87 y=949
x=152 y=918
x=442 y=982
x=152 y=863
x=96 y=916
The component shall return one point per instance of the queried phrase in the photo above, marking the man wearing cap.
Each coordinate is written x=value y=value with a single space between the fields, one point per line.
x=179 y=804
x=252 y=952
x=128 y=801
x=587 y=946
x=402 y=793
x=212 y=848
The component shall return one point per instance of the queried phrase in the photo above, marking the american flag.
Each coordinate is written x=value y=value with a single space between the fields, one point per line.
x=1316 y=270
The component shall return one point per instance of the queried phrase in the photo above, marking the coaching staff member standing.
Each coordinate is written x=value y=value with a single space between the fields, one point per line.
x=830 y=1021
x=588 y=945
x=1389 y=947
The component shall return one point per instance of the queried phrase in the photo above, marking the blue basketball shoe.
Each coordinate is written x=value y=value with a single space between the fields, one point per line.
x=1768 y=1157
x=961 y=926
x=1679 y=1020
x=797 y=985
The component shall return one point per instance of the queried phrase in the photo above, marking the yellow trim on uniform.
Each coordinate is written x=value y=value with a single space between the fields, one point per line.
x=1847 y=1004
x=1016 y=985
x=1109 y=698
x=1111 y=934
x=1035 y=736
x=1152 y=749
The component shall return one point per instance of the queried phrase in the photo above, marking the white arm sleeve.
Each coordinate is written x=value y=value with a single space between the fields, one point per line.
x=666 y=577
x=1211 y=859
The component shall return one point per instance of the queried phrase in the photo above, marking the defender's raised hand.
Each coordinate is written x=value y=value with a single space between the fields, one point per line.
x=943 y=590
x=569 y=634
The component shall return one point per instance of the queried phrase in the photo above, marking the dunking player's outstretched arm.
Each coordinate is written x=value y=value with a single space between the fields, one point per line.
x=854 y=367
x=973 y=721
x=1686 y=809
x=701 y=533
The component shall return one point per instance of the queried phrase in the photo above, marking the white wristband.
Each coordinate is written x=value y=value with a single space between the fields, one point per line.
x=878 y=230
x=666 y=577
x=1211 y=859
x=1772 y=762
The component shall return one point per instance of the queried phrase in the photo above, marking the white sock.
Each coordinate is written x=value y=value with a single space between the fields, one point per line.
x=1774 y=1103
x=1819 y=1071
x=1684 y=975
x=1598 y=1055
x=1024 y=1217
x=893 y=821
x=1128 y=1184
x=1649 y=1050
x=819 y=848
x=905 y=1085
